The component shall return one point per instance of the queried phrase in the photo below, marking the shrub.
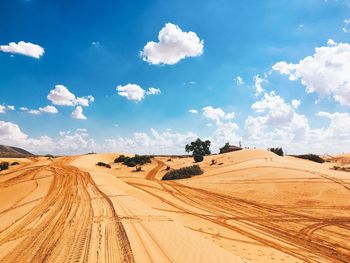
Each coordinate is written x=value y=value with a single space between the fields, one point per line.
x=4 y=166
x=278 y=151
x=120 y=159
x=167 y=168
x=198 y=158
x=15 y=163
x=138 y=168
x=311 y=157
x=137 y=159
x=49 y=156
x=185 y=172
x=213 y=162
x=169 y=160
x=104 y=164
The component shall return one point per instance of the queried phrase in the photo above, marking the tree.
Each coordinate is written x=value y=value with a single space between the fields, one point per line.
x=278 y=151
x=198 y=147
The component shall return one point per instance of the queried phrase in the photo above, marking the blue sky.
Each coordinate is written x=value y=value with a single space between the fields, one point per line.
x=76 y=49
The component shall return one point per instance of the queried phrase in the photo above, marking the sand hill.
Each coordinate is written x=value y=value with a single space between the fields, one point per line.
x=248 y=206
x=11 y=152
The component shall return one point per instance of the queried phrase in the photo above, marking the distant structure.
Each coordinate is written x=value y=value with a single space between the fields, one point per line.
x=230 y=148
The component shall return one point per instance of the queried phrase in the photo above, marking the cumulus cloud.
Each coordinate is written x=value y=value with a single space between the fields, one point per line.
x=217 y=114
x=135 y=92
x=23 y=48
x=174 y=45
x=78 y=113
x=60 y=95
x=326 y=72
x=48 y=109
x=296 y=103
x=193 y=111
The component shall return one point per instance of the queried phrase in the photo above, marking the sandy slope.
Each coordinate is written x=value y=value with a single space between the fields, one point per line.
x=250 y=206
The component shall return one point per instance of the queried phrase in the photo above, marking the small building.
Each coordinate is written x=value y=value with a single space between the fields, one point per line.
x=230 y=148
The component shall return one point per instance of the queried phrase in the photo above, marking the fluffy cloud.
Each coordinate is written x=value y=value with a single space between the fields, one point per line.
x=135 y=92
x=173 y=45
x=217 y=114
x=34 y=112
x=48 y=109
x=326 y=72
x=193 y=111
x=23 y=48
x=2 y=109
x=60 y=95
x=154 y=142
x=78 y=113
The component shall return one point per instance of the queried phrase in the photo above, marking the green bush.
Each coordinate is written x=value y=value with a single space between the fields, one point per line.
x=104 y=164
x=4 y=166
x=137 y=159
x=311 y=157
x=278 y=151
x=15 y=163
x=120 y=159
x=185 y=172
x=198 y=158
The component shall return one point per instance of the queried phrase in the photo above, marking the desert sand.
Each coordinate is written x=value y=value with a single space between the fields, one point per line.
x=250 y=206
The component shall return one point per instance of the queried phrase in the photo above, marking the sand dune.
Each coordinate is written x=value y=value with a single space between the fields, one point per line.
x=250 y=206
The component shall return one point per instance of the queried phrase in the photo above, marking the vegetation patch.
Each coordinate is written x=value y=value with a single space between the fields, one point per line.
x=185 y=172
x=311 y=157
x=133 y=161
x=15 y=163
x=278 y=151
x=104 y=165
x=4 y=166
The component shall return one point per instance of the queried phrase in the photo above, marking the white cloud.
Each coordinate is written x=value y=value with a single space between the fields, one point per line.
x=296 y=103
x=78 y=113
x=258 y=85
x=193 y=111
x=346 y=27
x=173 y=45
x=131 y=92
x=34 y=112
x=23 y=48
x=2 y=109
x=154 y=142
x=239 y=81
x=11 y=107
x=153 y=91
x=217 y=114
x=326 y=72
x=48 y=109
x=135 y=92
x=60 y=95
x=23 y=108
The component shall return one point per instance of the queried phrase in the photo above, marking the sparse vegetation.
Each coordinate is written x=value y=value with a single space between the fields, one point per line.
x=167 y=168
x=278 y=151
x=104 y=165
x=185 y=172
x=120 y=158
x=49 y=156
x=133 y=161
x=169 y=160
x=213 y=162
x=311 y=157
x=15 y=163
x=138 y=168
x=4 y=166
